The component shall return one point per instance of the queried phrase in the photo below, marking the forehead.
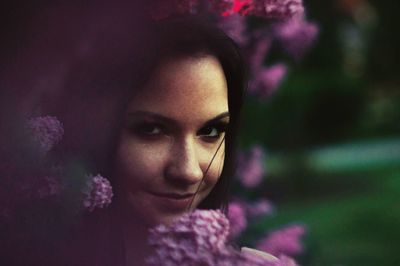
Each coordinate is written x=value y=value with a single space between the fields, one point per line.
x=187 y=86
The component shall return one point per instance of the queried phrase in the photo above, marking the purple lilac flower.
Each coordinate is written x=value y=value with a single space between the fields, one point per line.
x=235 y=27
x=237 y=218
x=251 y=170
x=199 y=238
x=47 y=131
x=285 y=261
x=277 y=9
x=98 y=193
x=262 y=42
x=284 y=241
x=194 y=238
x=242 y=7
x=259 y=208
x=296 y=36
x=267 y=80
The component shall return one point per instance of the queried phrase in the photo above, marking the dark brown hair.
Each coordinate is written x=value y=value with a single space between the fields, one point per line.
x=108 y=81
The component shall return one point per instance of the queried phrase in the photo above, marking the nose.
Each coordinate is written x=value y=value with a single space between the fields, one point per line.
x=184 y=167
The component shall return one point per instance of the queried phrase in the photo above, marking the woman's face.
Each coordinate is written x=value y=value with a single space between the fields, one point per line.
x=173 y=128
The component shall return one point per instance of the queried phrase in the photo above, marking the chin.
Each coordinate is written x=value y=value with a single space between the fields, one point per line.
x=152 y=211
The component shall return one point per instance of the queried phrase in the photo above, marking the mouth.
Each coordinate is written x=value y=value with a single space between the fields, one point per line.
x=174 y=201
x=177 y=196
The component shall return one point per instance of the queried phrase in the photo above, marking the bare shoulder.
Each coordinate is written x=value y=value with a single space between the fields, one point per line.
x=259 y=253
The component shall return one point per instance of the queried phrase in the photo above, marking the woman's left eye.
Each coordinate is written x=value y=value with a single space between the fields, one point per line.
x=212 y=132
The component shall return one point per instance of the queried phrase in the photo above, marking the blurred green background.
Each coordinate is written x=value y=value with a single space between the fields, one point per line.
x=332 y=136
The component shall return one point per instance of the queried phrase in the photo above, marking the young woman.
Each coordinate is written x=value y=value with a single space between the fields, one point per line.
x=160 y=122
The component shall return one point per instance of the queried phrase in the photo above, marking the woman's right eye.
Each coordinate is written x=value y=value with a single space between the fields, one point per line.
x=147 y=129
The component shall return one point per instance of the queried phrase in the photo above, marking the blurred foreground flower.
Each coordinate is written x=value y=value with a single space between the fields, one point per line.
x=259 y=208
x=46 y=130
x=277 y=9
x=269 y=9
x=27 y=177
x=286 y=241
x=199 y=238
x=98 y=193
x=267 y=80
x=296 y=36
x=250 y=169
x=237 y=219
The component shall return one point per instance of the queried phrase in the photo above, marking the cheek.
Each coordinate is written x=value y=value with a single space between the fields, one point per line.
x=215 y=169
x=138 y=164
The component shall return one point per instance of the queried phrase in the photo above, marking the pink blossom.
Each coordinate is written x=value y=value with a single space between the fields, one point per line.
x=242 y=7
x=251 y=170
x=284 y=241
x=98 y=193
x=285 y=261
x=199 y=238
x=195 y=238
x=46 y=130
x=277 y=9
x=267 y=80
x=262 y=42
x=296 y=36
x=237 y=218
x=259 y=208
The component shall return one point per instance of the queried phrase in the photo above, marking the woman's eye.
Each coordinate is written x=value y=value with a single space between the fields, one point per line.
x=147 y=129
x=212 y=132
x=151 y=130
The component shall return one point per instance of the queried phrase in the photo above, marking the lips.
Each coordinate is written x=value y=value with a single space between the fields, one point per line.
x=173 y=195
x=174 y=201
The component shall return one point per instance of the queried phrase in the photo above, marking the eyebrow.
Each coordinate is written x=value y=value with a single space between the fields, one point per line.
x=169 y=120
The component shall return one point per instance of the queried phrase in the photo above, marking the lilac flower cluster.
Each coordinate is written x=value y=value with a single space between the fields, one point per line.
x=290 y=31
x=270 y=9
x=286 y=241
x=278 y=9
x=296 y=36
x=267 y=80
x=46 y=130
x=98 y=193
x=199 y=238
x=194 y=238
x=259 y=208
x=34 y=181
x=237 y=219
x=240 y=212
x=28 y=179
x=251 y=169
